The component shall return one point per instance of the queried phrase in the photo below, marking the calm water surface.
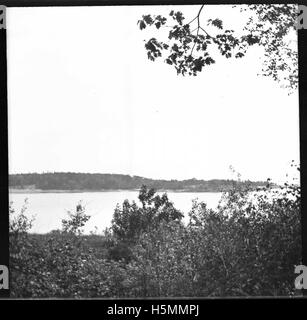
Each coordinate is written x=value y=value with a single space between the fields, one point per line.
x=50 y=208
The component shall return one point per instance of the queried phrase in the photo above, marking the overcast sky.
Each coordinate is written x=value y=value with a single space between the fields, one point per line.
x=83 y=97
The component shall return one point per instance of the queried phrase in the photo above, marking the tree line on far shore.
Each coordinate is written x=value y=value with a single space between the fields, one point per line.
x=95 y=182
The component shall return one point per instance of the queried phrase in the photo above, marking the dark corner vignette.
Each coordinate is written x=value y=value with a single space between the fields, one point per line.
x=4 y=210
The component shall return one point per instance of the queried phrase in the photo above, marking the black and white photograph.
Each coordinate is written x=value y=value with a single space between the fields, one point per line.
x=153 y=151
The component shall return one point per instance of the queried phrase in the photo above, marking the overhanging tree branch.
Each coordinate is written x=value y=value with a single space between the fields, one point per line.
x=268 y=27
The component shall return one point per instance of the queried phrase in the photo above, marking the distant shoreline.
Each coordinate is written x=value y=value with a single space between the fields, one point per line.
x=37 y=191
x=69 y=182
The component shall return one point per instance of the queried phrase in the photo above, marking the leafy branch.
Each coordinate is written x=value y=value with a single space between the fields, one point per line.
x=187 y=51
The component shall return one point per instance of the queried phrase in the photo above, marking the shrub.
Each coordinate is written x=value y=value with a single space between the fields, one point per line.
x=130 y=221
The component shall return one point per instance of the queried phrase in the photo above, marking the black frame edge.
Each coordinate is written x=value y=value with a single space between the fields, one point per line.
x=4 y=198
x=302 y=67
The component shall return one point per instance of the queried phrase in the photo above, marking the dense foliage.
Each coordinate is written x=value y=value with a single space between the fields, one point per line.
x=131 y=221
x=87 y=181
x=249 y=245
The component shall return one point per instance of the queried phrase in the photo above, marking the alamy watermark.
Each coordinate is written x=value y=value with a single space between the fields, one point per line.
x=301 y=22
x=4 y=277
x=2 y=17
x=301 y=280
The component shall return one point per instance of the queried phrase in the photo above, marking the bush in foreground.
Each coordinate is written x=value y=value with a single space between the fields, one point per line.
x=248 y=246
